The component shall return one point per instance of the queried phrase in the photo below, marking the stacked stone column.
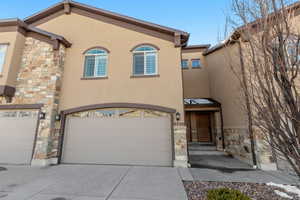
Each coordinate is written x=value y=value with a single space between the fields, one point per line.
x=180 y=142
x=39 y=82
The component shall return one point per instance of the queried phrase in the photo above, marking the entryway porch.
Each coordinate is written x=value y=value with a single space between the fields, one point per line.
x=203 y=118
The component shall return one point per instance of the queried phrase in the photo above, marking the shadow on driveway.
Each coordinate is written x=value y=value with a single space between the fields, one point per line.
x=3 y=169
x=223 y=168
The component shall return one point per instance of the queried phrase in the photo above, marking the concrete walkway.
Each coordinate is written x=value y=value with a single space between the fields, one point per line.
x=210 y=166
x=92 y=183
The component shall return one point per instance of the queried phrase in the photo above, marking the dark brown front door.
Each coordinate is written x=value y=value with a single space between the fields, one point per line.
x=199 y=129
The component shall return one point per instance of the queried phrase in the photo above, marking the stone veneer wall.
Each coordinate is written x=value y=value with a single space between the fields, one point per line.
x=39 y=82
x=180 y=142
x=238 y=144
x=2 y=100
x=217 y=130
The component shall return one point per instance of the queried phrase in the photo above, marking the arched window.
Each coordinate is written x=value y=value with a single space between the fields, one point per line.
x=95 y=64
x=145 y=60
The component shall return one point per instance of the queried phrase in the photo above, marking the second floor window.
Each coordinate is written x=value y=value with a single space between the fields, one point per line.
x=196 y=63
x=145 y=60
x=95 y=64
x=185 y=64
x=3 y=49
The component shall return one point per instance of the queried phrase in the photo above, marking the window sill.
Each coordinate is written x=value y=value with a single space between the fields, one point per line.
x=196 y=67
x=145 y=76
x=94 y=78
x=185 y=68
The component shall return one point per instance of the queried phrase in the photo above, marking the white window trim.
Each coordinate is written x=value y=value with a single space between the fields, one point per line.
x=5 y=58
x=145 y=63
x=95 y=71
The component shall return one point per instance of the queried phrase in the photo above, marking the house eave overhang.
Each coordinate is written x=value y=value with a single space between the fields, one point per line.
x=24 y=28
x=201 y=46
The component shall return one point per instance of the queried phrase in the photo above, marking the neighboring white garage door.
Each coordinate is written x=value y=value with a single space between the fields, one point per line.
x=118 y=136
x=17 y=136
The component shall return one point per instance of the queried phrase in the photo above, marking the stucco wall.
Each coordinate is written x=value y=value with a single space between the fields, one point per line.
x=224 y=86
x=84 y=32
x=195 y=81
x=13 y=57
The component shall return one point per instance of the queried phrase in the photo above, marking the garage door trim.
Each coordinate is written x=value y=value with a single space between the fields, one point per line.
x=27 y=107
x=65 y=113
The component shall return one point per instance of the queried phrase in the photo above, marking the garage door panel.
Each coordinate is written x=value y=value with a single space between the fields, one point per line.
x=128 y=141
x=17 y=139
x=124 y=158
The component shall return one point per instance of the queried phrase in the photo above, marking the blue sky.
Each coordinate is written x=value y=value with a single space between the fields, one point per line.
x=204 y=19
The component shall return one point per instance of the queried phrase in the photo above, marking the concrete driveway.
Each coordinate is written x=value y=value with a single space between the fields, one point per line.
x=75 y=182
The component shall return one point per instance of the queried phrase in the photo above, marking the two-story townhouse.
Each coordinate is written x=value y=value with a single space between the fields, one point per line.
x=84 y=85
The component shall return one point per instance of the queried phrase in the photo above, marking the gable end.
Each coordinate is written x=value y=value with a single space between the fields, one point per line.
x=180 y=38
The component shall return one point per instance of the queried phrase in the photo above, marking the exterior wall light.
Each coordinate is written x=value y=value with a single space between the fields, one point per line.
x=42 y=115
x=57 y=117
x=177 y=116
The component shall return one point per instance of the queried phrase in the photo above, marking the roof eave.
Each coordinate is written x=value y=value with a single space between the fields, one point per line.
x=201 y=46
x=148 y=25
x=21 y=24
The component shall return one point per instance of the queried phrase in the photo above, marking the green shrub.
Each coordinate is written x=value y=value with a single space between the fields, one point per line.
x=226 y=194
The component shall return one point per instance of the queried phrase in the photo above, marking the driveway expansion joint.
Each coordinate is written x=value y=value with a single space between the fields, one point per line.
x=117 y=185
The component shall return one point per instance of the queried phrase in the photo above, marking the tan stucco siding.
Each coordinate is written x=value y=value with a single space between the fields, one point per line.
x=16 y=59
x=195 y=81
x=15 y=42
x=84 y=33
x=224 y=86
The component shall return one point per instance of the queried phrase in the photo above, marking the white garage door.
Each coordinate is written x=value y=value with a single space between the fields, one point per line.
x=17 y=136
x=119 y=136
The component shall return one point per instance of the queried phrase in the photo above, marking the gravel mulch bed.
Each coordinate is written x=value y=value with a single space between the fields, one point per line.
x=198 y=190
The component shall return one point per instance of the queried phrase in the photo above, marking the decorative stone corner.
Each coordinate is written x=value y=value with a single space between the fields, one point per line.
x=265 y=158
x=39 y=82
x=44 y=162
x=180 y=142
x=238 y=144
x=217 y=131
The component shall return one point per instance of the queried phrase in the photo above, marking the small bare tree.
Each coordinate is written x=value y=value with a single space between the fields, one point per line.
x=268 y=45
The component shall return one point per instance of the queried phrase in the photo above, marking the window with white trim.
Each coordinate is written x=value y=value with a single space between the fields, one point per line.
x=95 y=64
x=3 y=50
x=145 y=61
